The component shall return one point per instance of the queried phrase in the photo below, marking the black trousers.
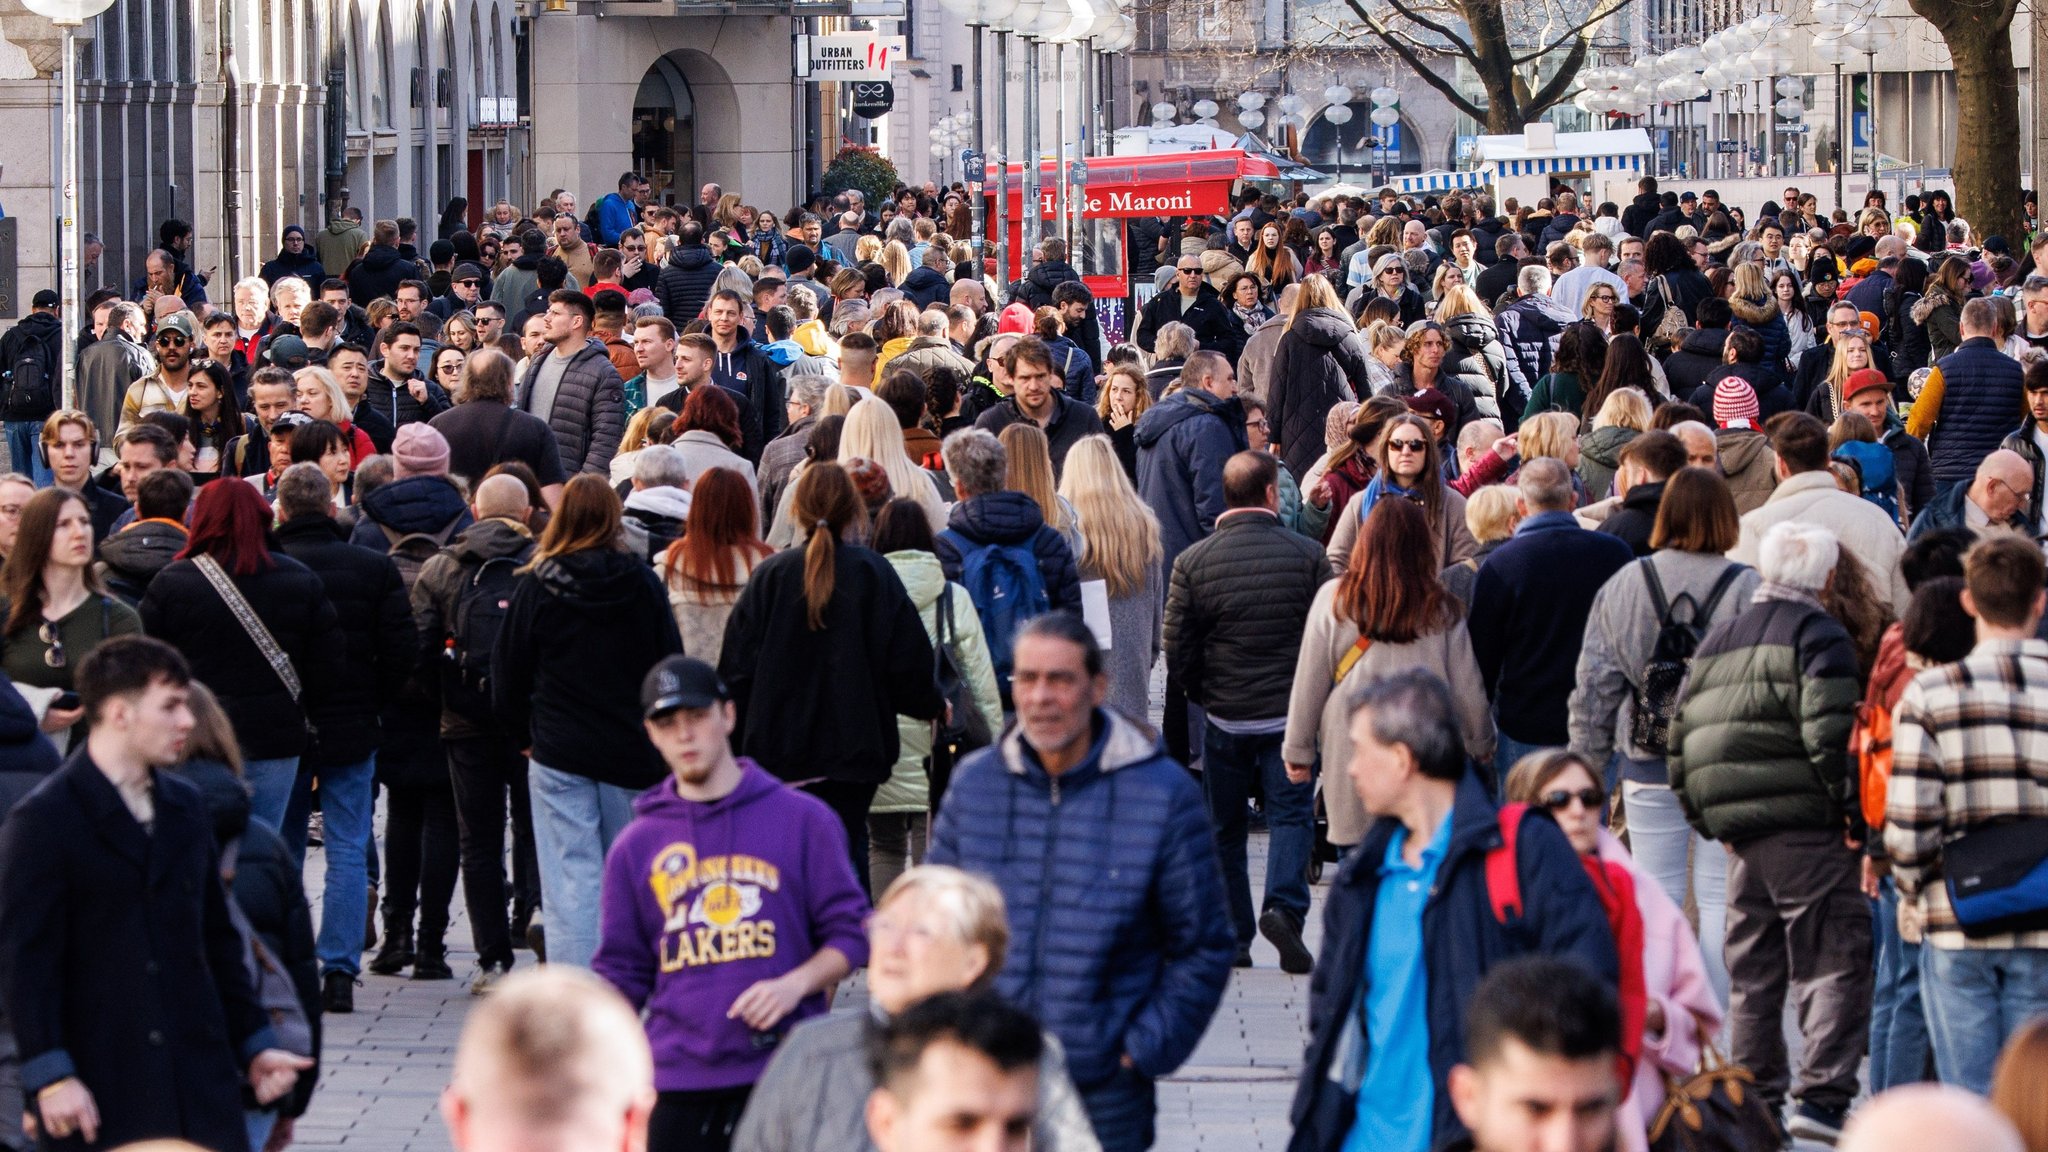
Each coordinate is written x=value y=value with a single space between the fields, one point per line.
x=421 y=855
x=486 y=771
x=850 y=802
x=696 y=1121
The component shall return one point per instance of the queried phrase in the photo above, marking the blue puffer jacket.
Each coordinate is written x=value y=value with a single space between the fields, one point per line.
x=1120 y=941
x=1461 y=941
x=1982 y=399
x=427 y=504
x=1183 y=442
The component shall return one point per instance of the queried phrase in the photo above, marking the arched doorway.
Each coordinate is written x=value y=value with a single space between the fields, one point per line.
x=1350 y=148
x=664 y=131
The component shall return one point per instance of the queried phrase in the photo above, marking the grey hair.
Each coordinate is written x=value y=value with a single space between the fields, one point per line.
x=1533 y=280
x=1413 y=709
x=932 y=322
x=971 y=905
x=647 y=311
x=1798 y=554
x=660 y=466
x=1545 y=484
x=304 y=490
x=1176 y=341
x=809 y=391
x=975 y=460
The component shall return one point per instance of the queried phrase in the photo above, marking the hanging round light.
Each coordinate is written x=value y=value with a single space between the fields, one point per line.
x=1789 y=86
x=1163 y=111
x=1386 y=117
x=1790 y=108
x=1291 y=104
x=1205 y=109
x=1338 y=113
x=1251 y=101
x=1251 y=118
x=1337 y=94
x=1385 y=97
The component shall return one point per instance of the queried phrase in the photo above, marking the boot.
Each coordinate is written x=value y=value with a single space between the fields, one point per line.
x=432 y=963
x=396 y=955
x=337 y=992
x=370 y=921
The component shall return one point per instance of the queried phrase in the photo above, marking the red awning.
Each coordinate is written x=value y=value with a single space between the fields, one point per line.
x=1172 y=184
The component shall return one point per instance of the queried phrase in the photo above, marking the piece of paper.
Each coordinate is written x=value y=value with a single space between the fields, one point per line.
x=1095 y=610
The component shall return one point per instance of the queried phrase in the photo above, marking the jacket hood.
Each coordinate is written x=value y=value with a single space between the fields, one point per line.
x=1935 y=297
x=1471 y=330
x=415 y=504
x=691 y=256
x=227 y=798
x=1874 y=462
x=662 y=802
x=528 y=261
x=922 y=575
x=143 y=548
x=379 y=258
x=490 y=539
x=924 y=276
x=998 y=518
x=598 y=578
x=1049 y=274
x=1549 y=307
x=1121 y=744
x=812 y=337
x=41 y=324
x=1705 y=341
x=673 y=503
x=1323 y=327
x=783 y=352
x=1754 y=313
x=341 y=226
x=1604 y=445
x=1739 y=448
x=1174 y=411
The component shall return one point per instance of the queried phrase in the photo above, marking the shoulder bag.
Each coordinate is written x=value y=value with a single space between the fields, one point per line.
x=259 y=634
x=1671 y=325
x=1716 y=1109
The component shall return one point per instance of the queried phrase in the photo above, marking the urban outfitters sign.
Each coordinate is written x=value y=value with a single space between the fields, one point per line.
x=847 y=56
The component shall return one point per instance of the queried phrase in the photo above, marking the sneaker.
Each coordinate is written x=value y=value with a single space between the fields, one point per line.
x=487 y=979
x=1277 y=925
x=1244 y=958
x=316 y=830
x=1818 y=1124
x=337 y=992
x=537 y=940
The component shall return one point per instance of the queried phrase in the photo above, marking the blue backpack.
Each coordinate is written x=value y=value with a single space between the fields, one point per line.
x=1880 y=473
x=1007 y=589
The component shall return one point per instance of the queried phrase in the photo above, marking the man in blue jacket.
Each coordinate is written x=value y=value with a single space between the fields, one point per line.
x=1409 y=929
x=620 y=210
x=1120 y=934
x=1183 y=442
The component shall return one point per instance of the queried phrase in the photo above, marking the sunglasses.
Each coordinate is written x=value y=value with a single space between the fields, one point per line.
x=172 y=339
x=470 y=283
x=1562 y=799
x=1408 y=445
x=1189 y=271
x=48 y=634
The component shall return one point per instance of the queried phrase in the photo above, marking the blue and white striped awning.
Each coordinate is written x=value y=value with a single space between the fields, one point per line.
x=1440 y=181
x=1538 y=165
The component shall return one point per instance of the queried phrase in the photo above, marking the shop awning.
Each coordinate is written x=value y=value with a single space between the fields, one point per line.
x=1620 y=150
x=1440 y=181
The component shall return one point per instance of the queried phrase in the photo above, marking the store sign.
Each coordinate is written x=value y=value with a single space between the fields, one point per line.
x=1144 y=200
x=847 y=56
x=872 y=98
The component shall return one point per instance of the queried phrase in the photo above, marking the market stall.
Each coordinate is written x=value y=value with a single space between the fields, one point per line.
x=1528 y=166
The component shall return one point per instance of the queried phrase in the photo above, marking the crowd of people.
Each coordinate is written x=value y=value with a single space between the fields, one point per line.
x=1637 y=611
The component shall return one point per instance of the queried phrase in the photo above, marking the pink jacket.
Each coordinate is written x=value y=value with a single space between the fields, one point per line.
x=1675 y=979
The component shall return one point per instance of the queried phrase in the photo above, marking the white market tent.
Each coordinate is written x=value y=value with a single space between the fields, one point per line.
x=1440 y=181
x=1523 y=166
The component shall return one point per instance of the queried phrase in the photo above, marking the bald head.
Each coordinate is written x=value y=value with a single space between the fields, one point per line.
x=1915 y=1117
x=502 y=496
x=1251 y=480
x=2004 y=481
x=554 y=1060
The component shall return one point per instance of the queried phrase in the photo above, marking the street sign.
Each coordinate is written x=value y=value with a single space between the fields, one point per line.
x=1727 y=146
x=847 y=56
x=872 y=98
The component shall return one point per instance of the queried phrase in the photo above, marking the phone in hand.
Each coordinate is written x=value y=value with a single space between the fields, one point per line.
x=65 y=700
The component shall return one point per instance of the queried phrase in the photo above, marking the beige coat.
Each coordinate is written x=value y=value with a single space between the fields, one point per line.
x=1454 y=542
x=1861 y=527
x=1319 y=712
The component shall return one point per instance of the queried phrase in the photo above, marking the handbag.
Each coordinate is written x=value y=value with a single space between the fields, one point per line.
x=968 y=729
x=1716 y=1109
x=1671 y=325
x=275 y=992
x=1997 y=878
x=259 y=634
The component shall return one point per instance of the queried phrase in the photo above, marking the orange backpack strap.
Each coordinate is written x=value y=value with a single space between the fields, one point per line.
x=1503 y=866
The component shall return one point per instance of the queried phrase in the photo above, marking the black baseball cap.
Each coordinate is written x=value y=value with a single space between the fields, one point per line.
x=289 y=422
x=680 y=682
x=44 y=299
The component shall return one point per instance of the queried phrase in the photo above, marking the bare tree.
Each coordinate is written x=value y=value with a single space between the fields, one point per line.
x=1979 y=38
x=1506 y=42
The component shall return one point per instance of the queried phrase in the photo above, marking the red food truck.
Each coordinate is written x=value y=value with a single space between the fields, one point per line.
x=1175 y=185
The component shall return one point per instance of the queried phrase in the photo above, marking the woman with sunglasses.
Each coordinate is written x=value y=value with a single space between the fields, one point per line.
x=447 y=370
x=1598 y=307
x=1410 y=470
x=1680 y=1008
x=1696 y=525
x=55 y=609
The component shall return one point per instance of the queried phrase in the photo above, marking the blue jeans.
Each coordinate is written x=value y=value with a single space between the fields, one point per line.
x=1668 y=849
x=270 y=789
x=24 y=453
x=575 y=820
x=1976 y=998
x=1506 y=751
x=348 y=802
x=259 y=1123
x=1233 y=767
x=1898 y=1019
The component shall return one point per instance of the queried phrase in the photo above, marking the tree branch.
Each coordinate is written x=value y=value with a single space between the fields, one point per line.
x=1561 y=81
x=1600 y=12
x=1457 y=43
x=1450 y=91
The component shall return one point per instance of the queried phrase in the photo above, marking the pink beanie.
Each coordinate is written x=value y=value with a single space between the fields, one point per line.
x=418 y=450
x=1735 y=403
x=1016 y=318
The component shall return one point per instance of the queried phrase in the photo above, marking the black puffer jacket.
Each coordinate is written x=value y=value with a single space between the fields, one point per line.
x=685 y=283
x=267 y=888
x=1529 y=330
x=581 y=631
x=1477 y=360
x=589 y=417
x=377 y=633
x=26 y=755
x=378 y=273
x=131 y=558
x=1694 y=360
x=182 y=609
x=393 y=400
x=1236 y=611
x=1321 y=361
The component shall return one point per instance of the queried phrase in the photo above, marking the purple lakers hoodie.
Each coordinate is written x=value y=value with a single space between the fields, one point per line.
x=703 y=900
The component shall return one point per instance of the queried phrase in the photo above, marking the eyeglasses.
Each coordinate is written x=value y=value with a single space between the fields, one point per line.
x=1407 y=445
x=1397 y=273
x=450 y=366
x=1607 y=296
x=48 y=634
x=2010 y=490
x=1562 y=799
x=172 y=339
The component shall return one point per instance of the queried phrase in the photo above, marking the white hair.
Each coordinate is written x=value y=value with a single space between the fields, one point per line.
x=1798 y=555
x=1533 y=280
x=660 y=466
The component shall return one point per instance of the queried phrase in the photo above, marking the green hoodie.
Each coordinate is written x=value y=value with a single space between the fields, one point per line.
x=339 y=244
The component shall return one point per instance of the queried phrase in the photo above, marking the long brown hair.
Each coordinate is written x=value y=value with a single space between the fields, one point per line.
x=22 y=578
x=1431 y=482
x=1391 y=588
x=723 y=531
x=588 y=518
x=1367 y=422
x=825 y=504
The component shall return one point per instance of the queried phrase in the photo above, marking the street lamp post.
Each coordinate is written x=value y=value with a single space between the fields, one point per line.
x=979 y=14
x=68 y=16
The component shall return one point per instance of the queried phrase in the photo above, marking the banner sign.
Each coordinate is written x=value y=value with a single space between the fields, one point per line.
x=847 y=56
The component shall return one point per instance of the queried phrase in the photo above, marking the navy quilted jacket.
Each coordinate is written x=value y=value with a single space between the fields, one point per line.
x=1120 y=938
x=1983 y=398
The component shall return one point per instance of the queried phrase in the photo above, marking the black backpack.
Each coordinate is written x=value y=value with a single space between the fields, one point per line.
x=1656 y=699
x=481 y=606
x=29 y=381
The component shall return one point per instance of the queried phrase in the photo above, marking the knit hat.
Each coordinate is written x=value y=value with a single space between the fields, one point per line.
x=870 y=481
x=1863 y=267
x=418 y=450
x=1431 y=404
x=1863 y=380
x=1016 y=318
x=799 y=258
x=1735 y=403
x=1872 y=326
